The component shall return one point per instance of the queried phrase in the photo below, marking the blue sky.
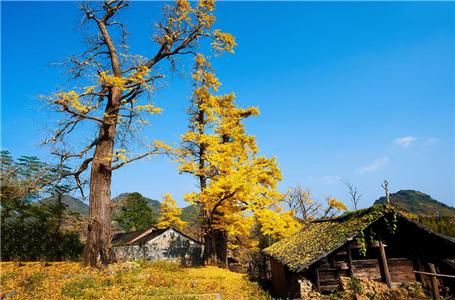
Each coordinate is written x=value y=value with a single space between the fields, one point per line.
x=363 y=91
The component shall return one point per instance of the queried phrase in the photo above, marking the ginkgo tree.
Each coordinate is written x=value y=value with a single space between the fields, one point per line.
x=111 y=98
x=170 y=214
x=237 y=187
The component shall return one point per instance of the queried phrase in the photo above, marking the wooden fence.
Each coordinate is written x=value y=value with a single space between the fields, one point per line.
x=434 y=280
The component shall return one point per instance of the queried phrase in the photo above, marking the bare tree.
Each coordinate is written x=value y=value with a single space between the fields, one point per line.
x=302 y=203
x=353 y=193
x=111 y=95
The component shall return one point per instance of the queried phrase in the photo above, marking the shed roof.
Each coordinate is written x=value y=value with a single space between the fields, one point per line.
x=141 y=236
x=320 y=238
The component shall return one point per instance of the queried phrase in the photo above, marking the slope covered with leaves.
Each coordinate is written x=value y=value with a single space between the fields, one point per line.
x=142 y=280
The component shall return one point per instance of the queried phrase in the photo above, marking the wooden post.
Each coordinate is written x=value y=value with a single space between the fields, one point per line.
x=318 y=282
x=349 y=256
x=434 y=282
x=384 y=264
x=385 y=186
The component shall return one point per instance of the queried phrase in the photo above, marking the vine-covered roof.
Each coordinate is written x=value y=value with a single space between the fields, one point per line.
x=320 y=238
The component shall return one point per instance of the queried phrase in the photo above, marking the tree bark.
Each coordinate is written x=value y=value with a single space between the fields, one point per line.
x=209 y=256
x=221 y=241
x=98 y=250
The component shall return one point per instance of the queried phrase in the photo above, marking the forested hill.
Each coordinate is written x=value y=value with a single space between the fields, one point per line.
x=72 y=204
x=418 y=203
x=189 y=213
x=154 y=204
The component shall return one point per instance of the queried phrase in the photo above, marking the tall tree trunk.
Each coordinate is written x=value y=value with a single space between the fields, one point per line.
x=215 y=247
x=209 y=256
x=221 y=242
x=98 y=250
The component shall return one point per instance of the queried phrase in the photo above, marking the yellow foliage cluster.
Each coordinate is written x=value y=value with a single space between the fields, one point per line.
x=121 y=154
x=240 y=186
x=112 y=81
x=278 y=224
x=336 y=204
x=71 y=99
x=162 y=146
x=170 y=214
x=142 y=280
x=150 y=108
x=223 y=41
x=138 y=76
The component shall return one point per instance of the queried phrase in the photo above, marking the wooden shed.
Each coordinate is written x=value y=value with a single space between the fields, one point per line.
x=377 y=243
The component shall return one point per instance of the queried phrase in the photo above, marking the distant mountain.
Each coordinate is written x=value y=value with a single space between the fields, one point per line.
x=72 y=204
x=154 y=204
x=418 y=203
x=190 y=214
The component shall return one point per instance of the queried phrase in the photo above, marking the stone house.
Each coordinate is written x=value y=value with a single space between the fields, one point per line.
x=377 y=244
x=152 y=244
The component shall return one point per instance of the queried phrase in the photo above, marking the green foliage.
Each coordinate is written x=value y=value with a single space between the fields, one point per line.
x=29 y=231
x=7 y=276
x=75 y=289
x=135 y=214
x=33 y=281
x=362 y=244
x=356 y=286
x=444 y=225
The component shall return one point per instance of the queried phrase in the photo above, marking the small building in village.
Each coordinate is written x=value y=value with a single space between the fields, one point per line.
x=152 y=244
x=378 y=244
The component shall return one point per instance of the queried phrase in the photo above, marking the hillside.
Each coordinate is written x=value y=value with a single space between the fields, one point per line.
x=72 y=204
x=133 y=280
x=418 y=203
x=190 y=214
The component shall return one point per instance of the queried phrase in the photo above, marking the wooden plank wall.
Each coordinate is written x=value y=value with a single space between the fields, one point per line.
x=367 y=268
x=401 y=270
x=329 y=275
x=278 y=278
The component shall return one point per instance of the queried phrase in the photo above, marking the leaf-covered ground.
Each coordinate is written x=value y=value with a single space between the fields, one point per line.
x=141 y=280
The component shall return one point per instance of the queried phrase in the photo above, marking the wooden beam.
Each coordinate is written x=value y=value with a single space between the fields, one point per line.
x=384 y=264
x=349 y=261
x=434 y=282
x=421 y=268
x=434 y=274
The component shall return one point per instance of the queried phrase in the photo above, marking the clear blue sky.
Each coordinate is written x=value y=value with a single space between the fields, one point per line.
x=363 y=91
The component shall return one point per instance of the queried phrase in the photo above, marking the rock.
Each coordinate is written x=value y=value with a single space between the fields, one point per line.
x=10 y=294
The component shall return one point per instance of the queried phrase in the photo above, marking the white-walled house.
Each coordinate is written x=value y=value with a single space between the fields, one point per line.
x=152 y=244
